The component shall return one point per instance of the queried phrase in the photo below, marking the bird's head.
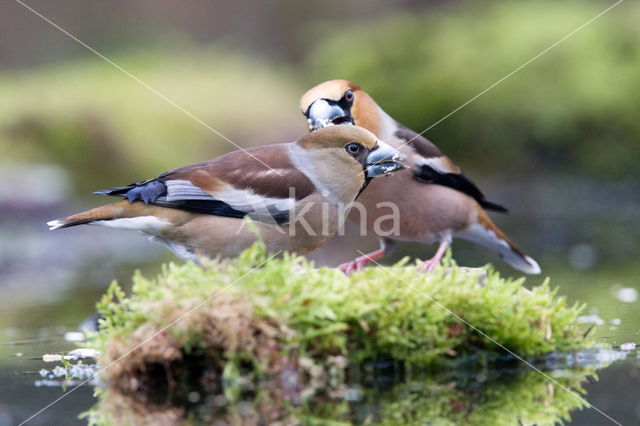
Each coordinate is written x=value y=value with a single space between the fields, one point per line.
x=352 y=146
x=338 y=102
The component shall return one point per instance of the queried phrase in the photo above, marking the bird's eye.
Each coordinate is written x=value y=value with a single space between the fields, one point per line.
x=353 y=148
x=348 y=95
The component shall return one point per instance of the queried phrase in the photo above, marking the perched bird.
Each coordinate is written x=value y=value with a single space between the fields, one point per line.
x=435 y=200
x=295 y=193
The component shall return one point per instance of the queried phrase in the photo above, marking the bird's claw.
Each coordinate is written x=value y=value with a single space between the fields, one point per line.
x=428 y=265
x=347 y=267
x=355 y=265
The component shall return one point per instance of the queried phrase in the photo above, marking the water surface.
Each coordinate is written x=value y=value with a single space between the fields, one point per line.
x=51 y=281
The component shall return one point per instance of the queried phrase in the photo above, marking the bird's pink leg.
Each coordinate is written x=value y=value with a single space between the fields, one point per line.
x=361 y=262
x=429 y=264
x=387 y=246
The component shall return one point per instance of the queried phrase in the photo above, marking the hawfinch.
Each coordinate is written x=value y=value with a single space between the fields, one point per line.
x=296 y=194
x=435 y=200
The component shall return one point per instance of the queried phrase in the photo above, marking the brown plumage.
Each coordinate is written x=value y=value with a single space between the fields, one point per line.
x=435 y=200
x=200 y=209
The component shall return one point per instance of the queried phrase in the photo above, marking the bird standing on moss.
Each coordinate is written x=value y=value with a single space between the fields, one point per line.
x=435 y=200
x=295 y=193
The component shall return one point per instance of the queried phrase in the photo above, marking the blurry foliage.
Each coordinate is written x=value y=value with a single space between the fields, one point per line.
x=574 y=109
x=110 y=130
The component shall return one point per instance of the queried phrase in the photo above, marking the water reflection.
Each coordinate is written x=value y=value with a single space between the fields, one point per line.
x=476 y=390
x=511 y=394
x=50 y=283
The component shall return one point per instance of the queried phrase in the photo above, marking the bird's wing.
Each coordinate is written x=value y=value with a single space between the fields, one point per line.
x=262 y=184
x=435 y=167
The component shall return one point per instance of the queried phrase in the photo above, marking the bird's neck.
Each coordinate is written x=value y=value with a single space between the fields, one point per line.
x=338 y=182
x=387 y=129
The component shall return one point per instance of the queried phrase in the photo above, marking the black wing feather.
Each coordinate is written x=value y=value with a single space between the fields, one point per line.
x=146 y=191
x=456 y=181
x=427 y=149
x=155 y=192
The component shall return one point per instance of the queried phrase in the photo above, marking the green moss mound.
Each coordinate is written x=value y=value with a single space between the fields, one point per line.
x=257 y=312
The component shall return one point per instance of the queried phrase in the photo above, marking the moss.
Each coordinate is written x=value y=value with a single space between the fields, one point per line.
x=261 y=315
x=264 y=340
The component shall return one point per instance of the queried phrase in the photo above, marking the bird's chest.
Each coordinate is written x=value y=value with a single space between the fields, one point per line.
x=415 y=210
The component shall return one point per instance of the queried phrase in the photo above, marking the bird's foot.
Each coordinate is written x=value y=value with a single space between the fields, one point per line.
x=429 y=265
x=361 y=262
x=355 y=265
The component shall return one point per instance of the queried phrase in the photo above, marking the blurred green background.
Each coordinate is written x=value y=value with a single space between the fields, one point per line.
x=557 y=142
x=572 y=111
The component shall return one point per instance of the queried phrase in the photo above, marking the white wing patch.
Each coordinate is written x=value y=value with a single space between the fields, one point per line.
x=436 y=163
x=248 y=201
x=178 y=190
x=245 y=200
x=256 y=206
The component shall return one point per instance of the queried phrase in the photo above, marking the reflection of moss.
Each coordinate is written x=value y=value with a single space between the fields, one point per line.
x=286 y=310
x=520 y=396
x=527 y=398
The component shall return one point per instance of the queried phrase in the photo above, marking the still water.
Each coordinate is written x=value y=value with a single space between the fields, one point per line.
x=51 y=281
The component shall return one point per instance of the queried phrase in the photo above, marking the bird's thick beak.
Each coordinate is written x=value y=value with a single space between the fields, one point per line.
x=384 y=160
x=323 y=113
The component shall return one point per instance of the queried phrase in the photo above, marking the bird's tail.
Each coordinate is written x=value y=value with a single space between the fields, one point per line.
x=487 y=234
x=107 y=212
